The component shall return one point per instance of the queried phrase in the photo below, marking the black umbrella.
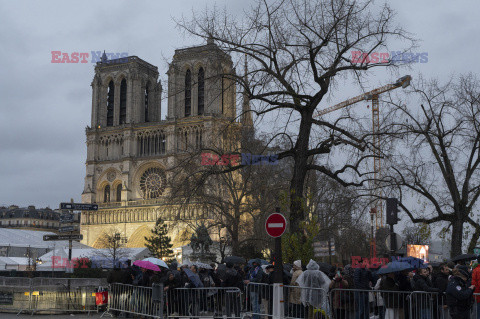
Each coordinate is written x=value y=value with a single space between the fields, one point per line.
x=234 y=260
x=326 y=268
x=287 y=267
x=395 y=266
x=464 y=257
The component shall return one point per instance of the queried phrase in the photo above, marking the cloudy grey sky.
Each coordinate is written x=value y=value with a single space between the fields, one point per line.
x=45 y=107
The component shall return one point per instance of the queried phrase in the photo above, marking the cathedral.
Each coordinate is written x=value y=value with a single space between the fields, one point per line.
x=131 y=150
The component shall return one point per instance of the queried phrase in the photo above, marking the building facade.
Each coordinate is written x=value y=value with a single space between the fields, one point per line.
x=30 y=218
x=131 y=150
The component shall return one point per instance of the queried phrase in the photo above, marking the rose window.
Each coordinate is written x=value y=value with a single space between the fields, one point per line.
x=152 y=183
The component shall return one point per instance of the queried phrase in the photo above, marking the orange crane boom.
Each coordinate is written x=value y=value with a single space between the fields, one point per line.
x=403 y=82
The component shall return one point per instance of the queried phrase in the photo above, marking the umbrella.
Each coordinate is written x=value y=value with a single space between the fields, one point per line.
x=464 y=257
x=395 y=266
x=261 y=261
x=413 y=261
x=234 y=260
x=326 y=268
x=146 y=265
x=202 y=265
x=194 y=278
x=157 y=262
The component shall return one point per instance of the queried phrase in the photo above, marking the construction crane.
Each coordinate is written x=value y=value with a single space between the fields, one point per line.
x=377 y=209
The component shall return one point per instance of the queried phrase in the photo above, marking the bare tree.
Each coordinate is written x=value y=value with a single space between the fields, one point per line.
x=296 y=49
x=435 y=165
x=230 y=203
x=417 y=235
x=113 y=243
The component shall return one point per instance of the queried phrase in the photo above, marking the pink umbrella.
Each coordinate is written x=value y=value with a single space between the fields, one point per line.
x=146 y=265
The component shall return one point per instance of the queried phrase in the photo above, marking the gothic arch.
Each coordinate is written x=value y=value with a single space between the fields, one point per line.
x=107 y=80
x=104 y=177
x=99 y=242
x=185 y=67
x=197 y=66
x=100 y=190
x=120 y=77
x=114 y=195
x=138 y=237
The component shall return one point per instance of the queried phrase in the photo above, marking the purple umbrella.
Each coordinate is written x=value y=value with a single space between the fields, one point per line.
x=146 y=265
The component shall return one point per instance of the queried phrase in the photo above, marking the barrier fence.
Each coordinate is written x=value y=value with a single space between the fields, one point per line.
x=257 y=301
x=204 y=302
x=48 y=295
x=144 y=301
x=296 y=302
x=303 y=302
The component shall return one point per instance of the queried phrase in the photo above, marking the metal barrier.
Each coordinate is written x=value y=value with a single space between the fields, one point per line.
x=135 y=300
x=428 y=305
x=201 y=302
x=259 y=300
x=363 y=304
x=303 y=302
x=476 y=305
x=48 y=295
x=15 y=299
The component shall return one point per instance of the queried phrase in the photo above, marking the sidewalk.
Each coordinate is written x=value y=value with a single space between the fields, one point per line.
x=4 y=315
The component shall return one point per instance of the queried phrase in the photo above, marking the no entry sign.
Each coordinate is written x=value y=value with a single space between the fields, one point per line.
x=275 y=225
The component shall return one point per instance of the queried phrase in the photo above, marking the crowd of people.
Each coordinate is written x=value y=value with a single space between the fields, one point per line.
x=446 y=291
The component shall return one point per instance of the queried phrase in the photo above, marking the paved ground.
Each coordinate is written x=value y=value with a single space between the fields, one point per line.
x=75 y=316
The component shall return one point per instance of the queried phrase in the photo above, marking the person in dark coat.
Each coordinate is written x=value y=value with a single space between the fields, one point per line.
x=115 y=276
x=170 y=284
x=441 y=282
x=255 y=275
x=394 y=302
x=459 y=295
x=363 y=280
x=233 y=280
x=421 y=301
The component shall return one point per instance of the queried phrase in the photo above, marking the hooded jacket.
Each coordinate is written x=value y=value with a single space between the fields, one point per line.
x=476 y=282
x=459 y=296
x=314 y=278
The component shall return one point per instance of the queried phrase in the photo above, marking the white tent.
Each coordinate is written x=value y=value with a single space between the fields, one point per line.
x=58 y=258
x=14 y=263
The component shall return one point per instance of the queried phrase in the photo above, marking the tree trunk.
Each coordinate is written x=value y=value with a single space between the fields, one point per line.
x=457 y=235
x=299 y=173
x=234 y=235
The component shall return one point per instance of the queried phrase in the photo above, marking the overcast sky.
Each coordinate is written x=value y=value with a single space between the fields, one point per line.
x=45 y=107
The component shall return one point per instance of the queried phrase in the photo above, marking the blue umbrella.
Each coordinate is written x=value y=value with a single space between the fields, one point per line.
x=194 y=278
x=413 y=261
x=261 y=261
x=395 y=266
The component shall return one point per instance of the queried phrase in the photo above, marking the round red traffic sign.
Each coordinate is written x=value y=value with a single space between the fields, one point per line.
x=275 y=225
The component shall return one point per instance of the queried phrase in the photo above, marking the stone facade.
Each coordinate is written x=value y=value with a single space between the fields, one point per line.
x=31 y=218
x=130 y=149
